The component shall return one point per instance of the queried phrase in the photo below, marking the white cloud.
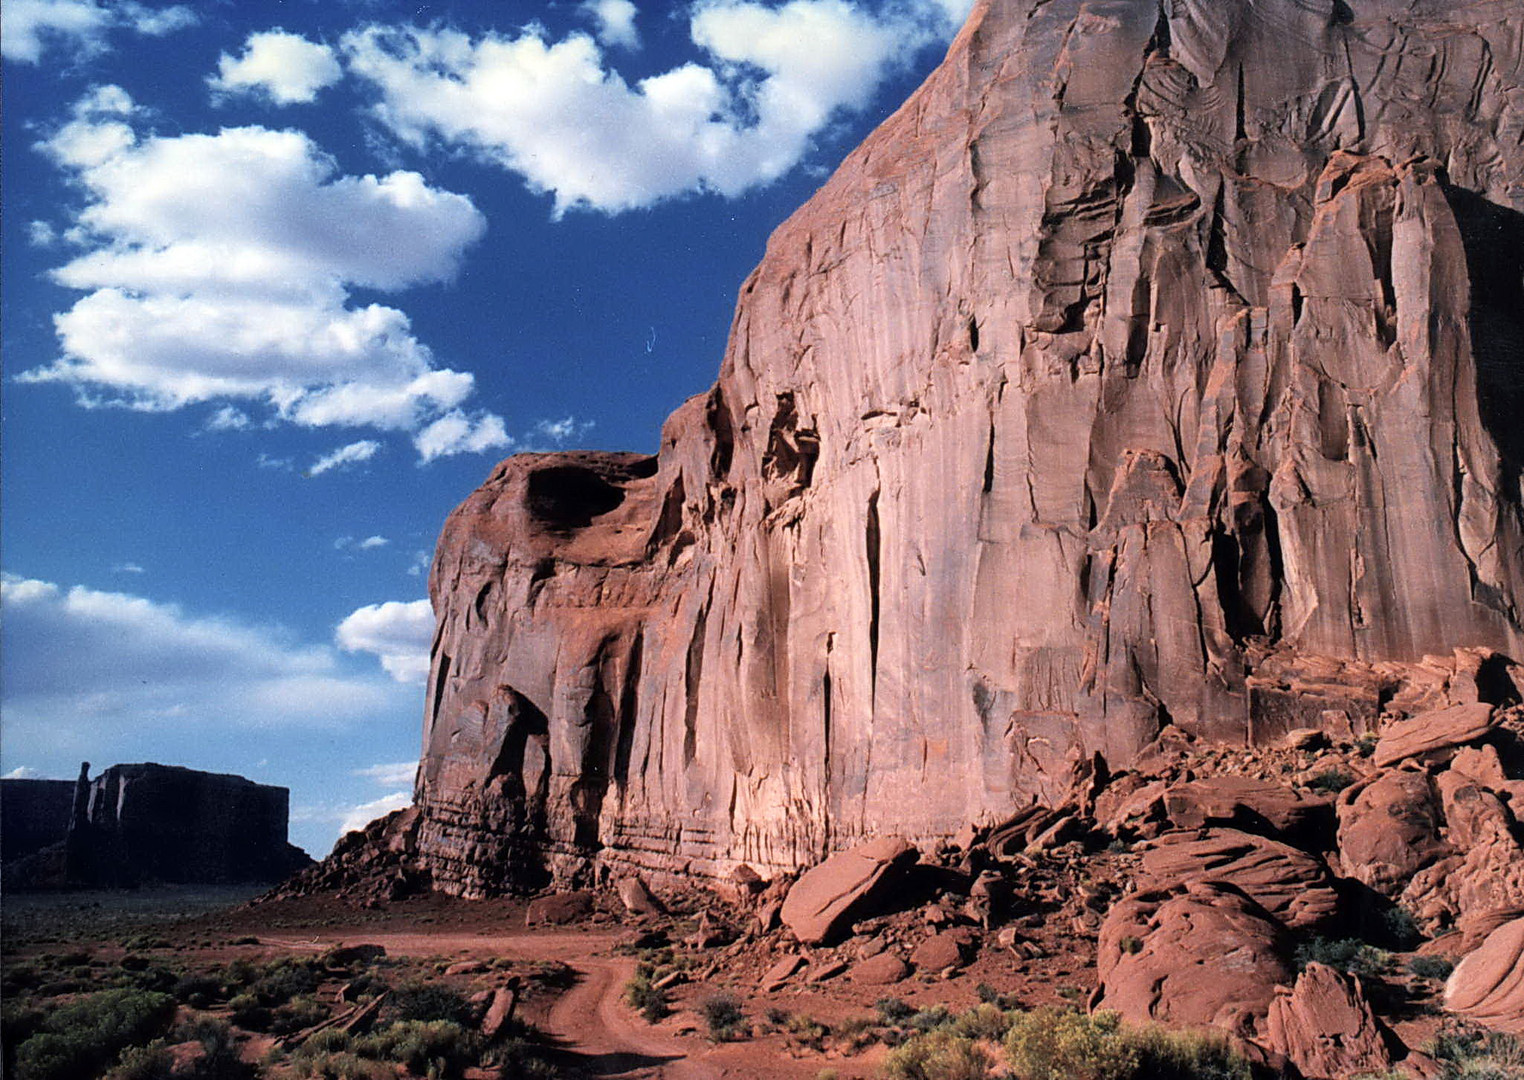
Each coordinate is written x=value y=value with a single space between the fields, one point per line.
x=357 y=817
x=372 y=542
x=229 y=418
x=390 y=774
x=556 y=114
x=456 y=433
x=420 y=564
x=558 y=431
x=615 y=21
x=352 y=454
x=286 y=68
x=29 y=27
x=128 y=568
x=22 y=772
x=77 y=661
x=398 y=632
x=219 y=269
x=41 y=234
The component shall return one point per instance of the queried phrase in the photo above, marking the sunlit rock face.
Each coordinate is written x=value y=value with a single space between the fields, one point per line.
x=1146 y=346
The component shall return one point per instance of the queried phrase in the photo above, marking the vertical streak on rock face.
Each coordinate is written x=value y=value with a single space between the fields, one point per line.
x=1142 y=343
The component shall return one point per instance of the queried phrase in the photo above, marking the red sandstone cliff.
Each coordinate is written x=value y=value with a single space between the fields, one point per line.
x=1146 y=345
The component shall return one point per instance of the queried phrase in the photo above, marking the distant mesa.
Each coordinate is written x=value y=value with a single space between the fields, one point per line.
x=144 y=824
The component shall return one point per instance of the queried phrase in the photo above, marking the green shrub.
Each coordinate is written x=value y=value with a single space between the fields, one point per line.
x=220 y=1059
x=806 y=1031
x=1061 y=1044
x=1349 y=955
x=649 y=1000
x=347 y=1066
x=284 y=980
x=893 y=1011
x=1185 y=1055
x=298 y=1014
x=984 y=1021
x=248 y=1012
x=151 y=1062
x=939 y=1055
x=1331 y=781
x=197 y=991
x=1431 y=967
x=1474 y=1054
x=429 y=1001
x=427 y=1047
x=83 y=1037
x=931 y=1018
x=723 y=1016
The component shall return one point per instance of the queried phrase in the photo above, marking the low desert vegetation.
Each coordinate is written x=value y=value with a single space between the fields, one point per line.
x=1468 y=1053
x=1060 y=1044
x=70 y=1015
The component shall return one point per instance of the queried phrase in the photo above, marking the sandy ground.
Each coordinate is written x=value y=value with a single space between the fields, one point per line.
x=593 y=1030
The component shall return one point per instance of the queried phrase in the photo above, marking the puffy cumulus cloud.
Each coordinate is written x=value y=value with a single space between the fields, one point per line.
x=79 y=664
x=22 y=772
x=357 y=817
x=615 y=21
x=352 y=454
x=456 y=433
x=218 y=268
x=391 y=774
x=286 y=68
x=556 y=114
x=397 y=632
x=29 y=27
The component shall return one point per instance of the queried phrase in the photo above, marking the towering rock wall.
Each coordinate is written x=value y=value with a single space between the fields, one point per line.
x=1146 y=344
x=158 y=823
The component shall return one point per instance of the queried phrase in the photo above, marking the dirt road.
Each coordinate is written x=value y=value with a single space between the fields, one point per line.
x=590 y=1020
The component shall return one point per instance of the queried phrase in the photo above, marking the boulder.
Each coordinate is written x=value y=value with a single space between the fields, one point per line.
x=1487 y=986
x=1203 y=954
x=829 y=897
x=881 y=970
x=949 y=949
x=1326 y=1027
x=1432 y=735
x=558 y=908
x=636 y=898
x=499 y=1015
x=1243 y=802
x=1293 y=886
x=1389 y=829
x=1485 y=873
x=781 y=971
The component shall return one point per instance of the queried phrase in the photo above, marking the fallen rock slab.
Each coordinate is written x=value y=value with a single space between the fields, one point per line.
x=1292 y=885
x=1326 y=1027
x=637 y=898
x=558 y=908
x=1429 y=735
x=1487 y=986
x=1246 y=803
x=829 y=897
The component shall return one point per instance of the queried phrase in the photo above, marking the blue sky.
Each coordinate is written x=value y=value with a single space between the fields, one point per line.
x=283 y=280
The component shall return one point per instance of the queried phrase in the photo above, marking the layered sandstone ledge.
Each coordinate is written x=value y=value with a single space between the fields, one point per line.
x=1152 y=364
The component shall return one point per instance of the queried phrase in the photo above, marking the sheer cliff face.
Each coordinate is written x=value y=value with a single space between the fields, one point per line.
x=1143 y=338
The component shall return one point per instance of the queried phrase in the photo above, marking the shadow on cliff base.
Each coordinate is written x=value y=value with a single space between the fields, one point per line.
x=1493 y=237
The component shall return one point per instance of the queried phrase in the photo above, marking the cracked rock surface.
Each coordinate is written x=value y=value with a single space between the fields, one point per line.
x=1144 y=343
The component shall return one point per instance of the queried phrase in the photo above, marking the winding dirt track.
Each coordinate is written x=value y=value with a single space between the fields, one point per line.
x=590 y=1020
